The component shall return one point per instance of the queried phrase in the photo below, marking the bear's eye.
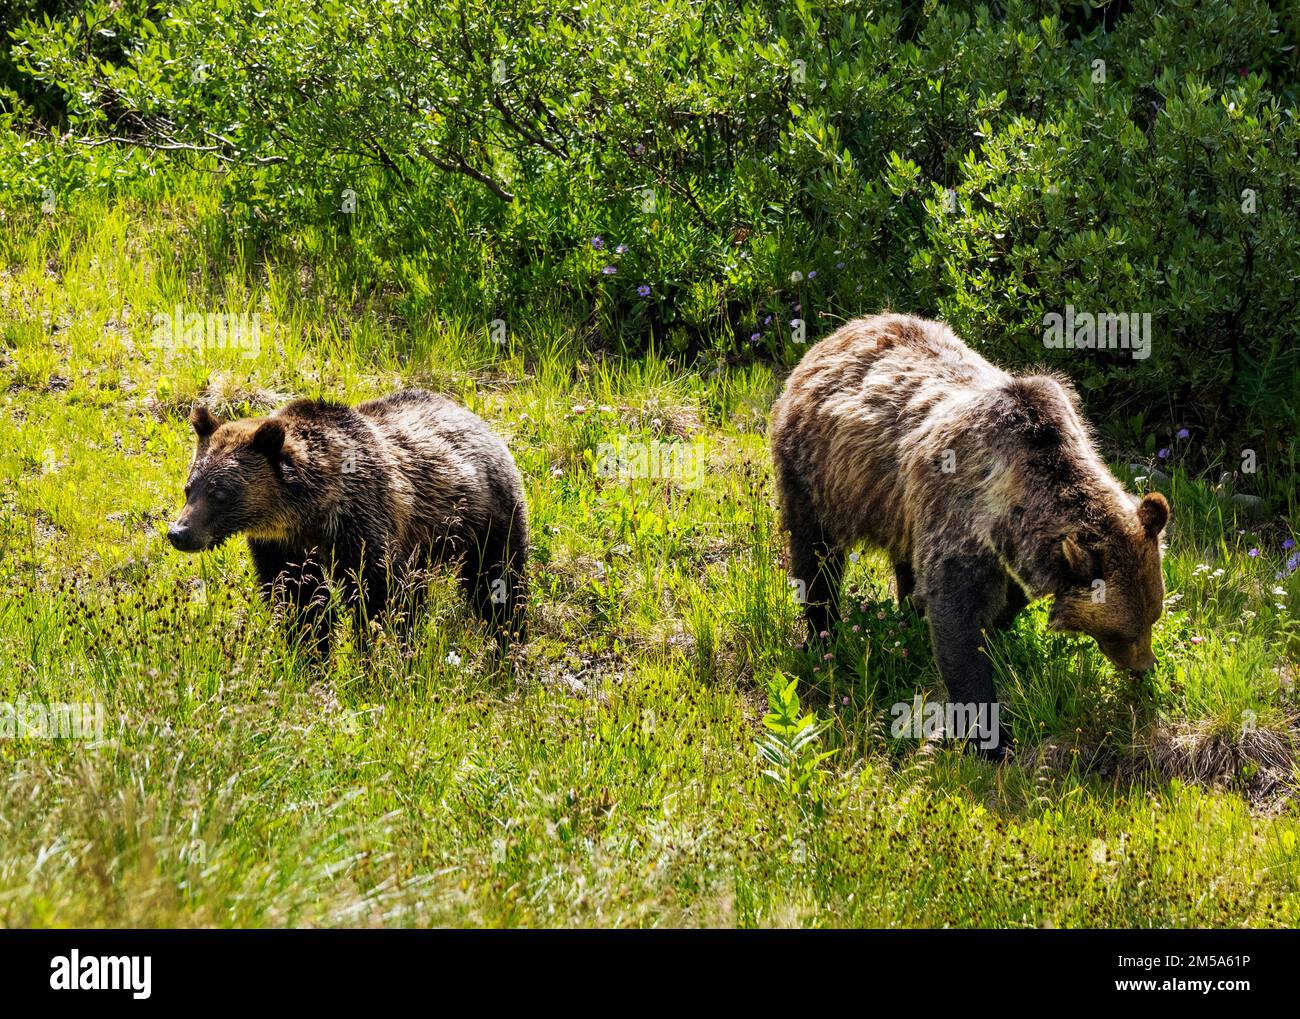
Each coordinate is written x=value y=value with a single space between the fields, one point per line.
x=219 y=494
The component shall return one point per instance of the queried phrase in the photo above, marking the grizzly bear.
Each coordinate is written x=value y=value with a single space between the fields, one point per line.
x=363 y=500
x=984 y=488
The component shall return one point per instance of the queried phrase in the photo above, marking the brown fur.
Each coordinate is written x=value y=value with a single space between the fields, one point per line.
x=362 y=499
x=985 y=489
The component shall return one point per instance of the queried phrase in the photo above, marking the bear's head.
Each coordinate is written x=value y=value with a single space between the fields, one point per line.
x=1111 y=586
x=236 y=482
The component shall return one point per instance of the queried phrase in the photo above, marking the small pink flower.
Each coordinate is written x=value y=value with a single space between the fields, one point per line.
x=844 y=701
x=903 y=652
x=828 y=656
x=823 y=634
x=1198 y=640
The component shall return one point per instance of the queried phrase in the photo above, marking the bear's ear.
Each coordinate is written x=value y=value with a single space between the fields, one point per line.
x=203 y=421
x=1153 y=513
x=269 y=438
x=1078 y=560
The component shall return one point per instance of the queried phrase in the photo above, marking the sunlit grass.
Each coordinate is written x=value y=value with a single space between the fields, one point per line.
x=612 y=778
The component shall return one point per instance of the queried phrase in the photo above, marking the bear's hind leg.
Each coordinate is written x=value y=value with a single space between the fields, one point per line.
x=513 y=618
x=494 y=580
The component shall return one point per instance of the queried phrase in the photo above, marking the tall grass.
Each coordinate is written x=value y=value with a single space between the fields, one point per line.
x=613 y=778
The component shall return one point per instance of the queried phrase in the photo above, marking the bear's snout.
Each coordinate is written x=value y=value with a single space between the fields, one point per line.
x=184 y=538
x=1136 y=657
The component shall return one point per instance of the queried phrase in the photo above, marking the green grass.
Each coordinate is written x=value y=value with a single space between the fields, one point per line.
x=614 y=778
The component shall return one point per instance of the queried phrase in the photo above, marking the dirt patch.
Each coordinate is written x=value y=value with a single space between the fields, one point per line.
x=664 y=420
x=226 y=395
x=1259 y=764
x=583 y=676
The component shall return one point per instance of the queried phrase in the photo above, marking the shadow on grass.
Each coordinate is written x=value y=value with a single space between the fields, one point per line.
x=1064 y=711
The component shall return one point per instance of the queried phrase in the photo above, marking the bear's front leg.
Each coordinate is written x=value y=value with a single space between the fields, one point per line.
x=365 y=593
x=295 y=583
x=1015 y=601
x=905 y=582
x=964 y=594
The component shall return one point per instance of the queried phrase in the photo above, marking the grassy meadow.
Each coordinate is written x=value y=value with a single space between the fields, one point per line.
x=646 y=762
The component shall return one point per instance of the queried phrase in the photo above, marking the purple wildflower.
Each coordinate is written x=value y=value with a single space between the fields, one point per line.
x=755 y=337
x=1253 y=553
x=1163 y=454
x=1182 y=433
x=621 y=249
x=643 y=290
x=598 y=242
x=1289 y=543
x=812 y=275
x=609 y=270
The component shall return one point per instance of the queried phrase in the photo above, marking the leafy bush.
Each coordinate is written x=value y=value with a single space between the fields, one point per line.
x=737 y=179
x=790 y=743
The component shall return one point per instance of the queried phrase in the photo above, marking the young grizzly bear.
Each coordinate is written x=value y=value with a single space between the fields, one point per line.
x=362 y=498
x=984 y=488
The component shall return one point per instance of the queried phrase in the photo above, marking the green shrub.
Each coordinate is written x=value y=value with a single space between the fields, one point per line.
x=711 y=178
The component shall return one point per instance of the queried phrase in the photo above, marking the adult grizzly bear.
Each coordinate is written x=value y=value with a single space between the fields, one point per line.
x=984 y=488
x=362 y=498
